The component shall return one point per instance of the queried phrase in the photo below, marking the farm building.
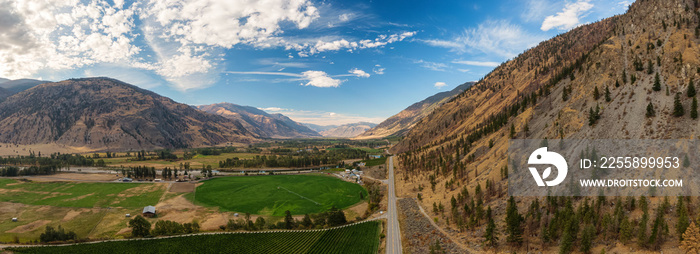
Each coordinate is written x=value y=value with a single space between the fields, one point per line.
x=149 y=211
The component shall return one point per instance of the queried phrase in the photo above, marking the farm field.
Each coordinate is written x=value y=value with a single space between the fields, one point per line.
x=273 y=195
x=78 y=194
x=196 y=162
x=359 y=238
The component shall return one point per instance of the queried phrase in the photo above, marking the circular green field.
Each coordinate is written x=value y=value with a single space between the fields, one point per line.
x=273 y=195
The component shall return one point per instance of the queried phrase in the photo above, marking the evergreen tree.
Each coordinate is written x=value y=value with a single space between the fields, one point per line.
x=587 y=238
x=596 y=93
x=607 y=94
x=513 y=223
x=694 y=108
x=650 y=110
x=617 y=83
x=657 y=83
x=512 y=130
x=691 y=89
x=625 y=230
x=288 y=220
x=642 y=231
x=650 y=67
x=490 y=233
x=678 y=110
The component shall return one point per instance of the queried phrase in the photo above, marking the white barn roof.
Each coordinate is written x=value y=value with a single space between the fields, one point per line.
x=149 y=209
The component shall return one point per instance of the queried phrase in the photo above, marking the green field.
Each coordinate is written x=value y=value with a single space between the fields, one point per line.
x=360 y=238
x=375 y=162
x=72 y=194
x=300 y=194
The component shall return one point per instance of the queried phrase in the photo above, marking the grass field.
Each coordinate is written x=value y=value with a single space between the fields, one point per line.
x=361 y=238
x=72 y=194
x=196 y=162
x=375 y=162
x=300 y=194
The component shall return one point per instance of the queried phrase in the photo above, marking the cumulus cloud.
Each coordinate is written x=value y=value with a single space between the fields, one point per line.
x=359 y=73
x=569 y=17
x=319 y=79
x=440 y=85
x=183 y=41
x=59 y=35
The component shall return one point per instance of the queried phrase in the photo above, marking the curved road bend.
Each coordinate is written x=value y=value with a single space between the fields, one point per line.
x=393 y=240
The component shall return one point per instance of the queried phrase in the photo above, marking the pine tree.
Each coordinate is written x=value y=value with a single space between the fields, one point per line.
x=512 y=130
x=650 y=67
x=587 y=238
x=691 y=89
x=565 y=94
x=607 y=94
x=678 y=110
x=642 y=232
x=513 y=223
x=490 y=233
x=691 y=239
x=657 y=83
x=650 y=110
x=596 y=93
x=683 y=220
x=617 y=83
x=625 y=230
x=694 y=108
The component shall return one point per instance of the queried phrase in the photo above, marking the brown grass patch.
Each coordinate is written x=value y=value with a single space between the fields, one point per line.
x=29 y=227
x=182 y=187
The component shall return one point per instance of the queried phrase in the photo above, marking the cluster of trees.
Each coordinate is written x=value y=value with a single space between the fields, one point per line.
x=332 y=218
x=374 y=191
x=558 y=222
x=28 y=171
x=56 y=159
x=140 y=227
x=139 y=172
x=57 y=235
x=166 y=227
x=333 y=156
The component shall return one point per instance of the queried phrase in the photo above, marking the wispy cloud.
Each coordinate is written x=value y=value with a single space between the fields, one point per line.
x=534 y=10
x=311 y=77
x=569 y=17
x=492 y=37
x=431 y=65
x=477 y=63
x=321 y=117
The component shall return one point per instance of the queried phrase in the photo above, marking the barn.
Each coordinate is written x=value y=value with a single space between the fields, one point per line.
x=149 y=211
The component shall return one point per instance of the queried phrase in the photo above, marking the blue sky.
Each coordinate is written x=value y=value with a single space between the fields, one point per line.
x=322 y=62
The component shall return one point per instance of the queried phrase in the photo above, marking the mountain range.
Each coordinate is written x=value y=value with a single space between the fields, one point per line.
x=258 y=121
x=401 y=123
x=342 y=131
x=9 y=87
x=104 y=113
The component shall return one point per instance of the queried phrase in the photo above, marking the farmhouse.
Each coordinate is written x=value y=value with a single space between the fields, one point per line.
x=149 y=211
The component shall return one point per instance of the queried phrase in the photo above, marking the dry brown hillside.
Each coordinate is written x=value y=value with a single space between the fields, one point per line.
x=103 y=113
x=548 y=92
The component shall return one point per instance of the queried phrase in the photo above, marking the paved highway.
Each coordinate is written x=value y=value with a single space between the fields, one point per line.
x=393 y=239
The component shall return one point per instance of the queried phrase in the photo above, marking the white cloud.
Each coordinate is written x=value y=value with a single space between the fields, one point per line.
x=319 y=79
x=359 y=73
x=534 y=10
x=569 y=17
x=59 y=35
x=321 y=117
x=477 y=63
x=440 y=85
x=183 y=41
x=493 y=37
x=378 y=70
x=431 y=65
